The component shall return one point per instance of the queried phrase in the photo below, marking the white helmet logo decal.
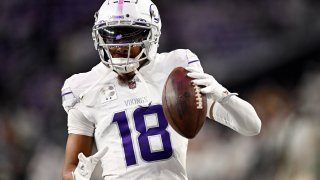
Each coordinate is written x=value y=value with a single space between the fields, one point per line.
x=154 y=13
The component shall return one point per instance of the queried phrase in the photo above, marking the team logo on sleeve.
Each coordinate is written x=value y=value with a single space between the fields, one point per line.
x=108 y=93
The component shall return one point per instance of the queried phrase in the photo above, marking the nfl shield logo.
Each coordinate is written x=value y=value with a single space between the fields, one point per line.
x=132 y=84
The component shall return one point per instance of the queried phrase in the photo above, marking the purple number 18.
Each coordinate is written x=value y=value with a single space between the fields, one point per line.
x=139 y=119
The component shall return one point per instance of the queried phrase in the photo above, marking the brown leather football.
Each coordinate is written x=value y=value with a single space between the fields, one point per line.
x=184 y=106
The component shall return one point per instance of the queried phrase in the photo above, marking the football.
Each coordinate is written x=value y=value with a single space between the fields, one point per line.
x=184 y=106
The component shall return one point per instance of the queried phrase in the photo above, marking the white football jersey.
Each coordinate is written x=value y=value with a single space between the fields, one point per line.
x=129 y=118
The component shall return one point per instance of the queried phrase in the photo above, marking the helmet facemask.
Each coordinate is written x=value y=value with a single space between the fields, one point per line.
x=126 y=38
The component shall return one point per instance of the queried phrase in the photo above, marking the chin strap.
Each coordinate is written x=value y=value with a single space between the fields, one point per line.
x=93 y=84
x=149 y=101
x=91 y=87
x=91 y=100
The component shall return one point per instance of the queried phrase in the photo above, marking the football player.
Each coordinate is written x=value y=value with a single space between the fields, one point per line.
x=117 y=104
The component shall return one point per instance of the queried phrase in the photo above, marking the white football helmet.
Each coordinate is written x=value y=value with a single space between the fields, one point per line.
x=126 y=23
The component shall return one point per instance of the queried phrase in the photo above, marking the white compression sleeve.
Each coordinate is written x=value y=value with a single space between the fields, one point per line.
x=79 y=124
x=237 y=114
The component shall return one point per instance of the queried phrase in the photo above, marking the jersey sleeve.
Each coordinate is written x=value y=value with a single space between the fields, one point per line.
x=193 y=60
x=185 y=58
x=78 y=123
x=69 y=98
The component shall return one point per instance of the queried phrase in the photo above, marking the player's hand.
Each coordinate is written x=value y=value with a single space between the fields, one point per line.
x=86 y=165
x=211 y=86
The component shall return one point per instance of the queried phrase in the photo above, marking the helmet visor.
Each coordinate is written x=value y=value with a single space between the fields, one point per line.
x=120 y=35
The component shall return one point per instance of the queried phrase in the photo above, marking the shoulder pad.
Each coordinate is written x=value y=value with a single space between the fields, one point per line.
x=79 y=84
x=185 y=56
x=69 y=97
x=74 y=86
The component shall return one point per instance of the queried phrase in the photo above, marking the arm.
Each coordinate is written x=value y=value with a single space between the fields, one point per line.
x=237 y=114
x=225 y=107
x=75 y=145
x=78 y=166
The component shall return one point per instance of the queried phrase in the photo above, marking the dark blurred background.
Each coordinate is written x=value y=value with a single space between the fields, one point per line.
x=268 y=51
